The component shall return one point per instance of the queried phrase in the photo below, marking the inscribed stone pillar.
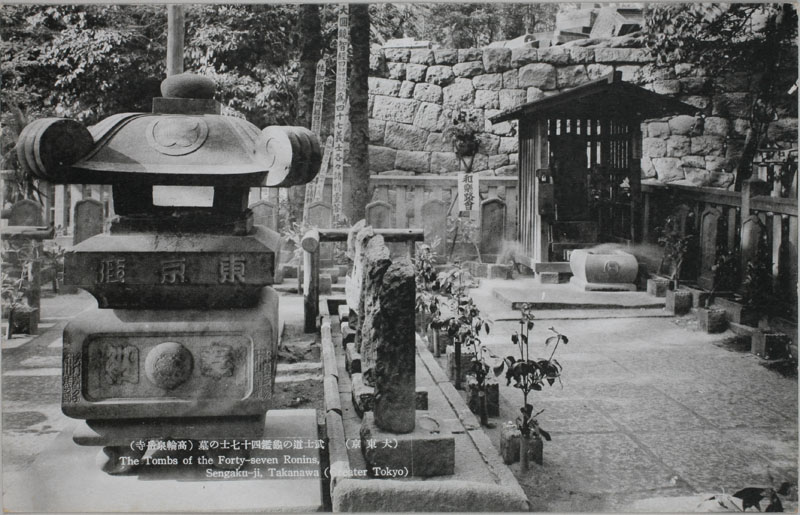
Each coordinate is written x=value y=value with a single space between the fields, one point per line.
x=320 y=216
x=88 y=220
x=710 y=235
x=394 y=373
x=493 y=228
x=375 y=261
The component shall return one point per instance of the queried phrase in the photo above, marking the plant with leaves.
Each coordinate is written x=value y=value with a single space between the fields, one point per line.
x=531 y=375
x=676 y=245
x=462 y=132
x=759 y=39
x=757 y=284
x=463 y=229
x=466 y=328
x=725 y=271
x=19 y=260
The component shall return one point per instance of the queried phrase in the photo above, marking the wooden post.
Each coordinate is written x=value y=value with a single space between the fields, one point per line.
x=316 y=127
x=175 y=33
x=58 y=202
x=340 y=117
x=752 y=188
x=310 y=244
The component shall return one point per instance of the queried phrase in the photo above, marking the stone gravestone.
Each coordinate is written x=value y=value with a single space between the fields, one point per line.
x=88 y=220
x=493 y=228
x=388 y=358
x=26 y=212
x=374 y=262
x=710 y=234
x=434 y=225
x=752 y=232
x=265 y=213
x=320 y=215
x=380 y=216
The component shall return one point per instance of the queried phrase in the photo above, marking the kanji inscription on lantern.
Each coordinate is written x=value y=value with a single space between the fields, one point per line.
x=71 y=377
x=217 y=361
x=120 y=364
x=231 y=269
x=111 y=271
x=173 y=271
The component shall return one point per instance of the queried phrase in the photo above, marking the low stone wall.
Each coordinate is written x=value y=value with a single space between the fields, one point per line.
x=414 y=93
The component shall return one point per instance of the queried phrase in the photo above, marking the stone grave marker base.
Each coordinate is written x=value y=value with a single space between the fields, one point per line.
x=424 y=452
x=585 y=286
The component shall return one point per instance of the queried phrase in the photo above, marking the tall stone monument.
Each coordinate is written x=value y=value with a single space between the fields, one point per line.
x=184 y=341
x=419 y=445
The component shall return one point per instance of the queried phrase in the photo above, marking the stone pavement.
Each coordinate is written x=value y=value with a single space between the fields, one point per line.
x=650 y=408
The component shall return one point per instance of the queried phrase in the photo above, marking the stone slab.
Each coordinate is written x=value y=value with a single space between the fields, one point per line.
x=586 y=286
x=424 y=452
x=548 y=277
x=565 y=296
x=344 y=313
x=560 y=267
x=352 y=359
x=81 y=486
x=375 y=495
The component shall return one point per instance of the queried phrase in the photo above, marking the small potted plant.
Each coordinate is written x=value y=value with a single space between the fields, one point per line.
x=710 y=318
x=15 y=304
x=676 y=245
x=462 y=133
x=425 y=278
x=531 y=375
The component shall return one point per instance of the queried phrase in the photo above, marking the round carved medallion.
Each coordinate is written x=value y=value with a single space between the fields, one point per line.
x=611 y=268
x=177 y=135
x=168 y=365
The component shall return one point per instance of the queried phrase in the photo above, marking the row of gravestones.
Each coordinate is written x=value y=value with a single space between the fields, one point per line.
x=379 y=214
x=713 y=229
x=434 y=222
x=88 y=216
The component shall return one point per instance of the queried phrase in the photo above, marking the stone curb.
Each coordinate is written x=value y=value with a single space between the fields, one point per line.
x=479 y=439
x=337 y=452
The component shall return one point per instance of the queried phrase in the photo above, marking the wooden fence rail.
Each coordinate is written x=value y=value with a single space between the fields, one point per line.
x=729 y=222
x=311 y=262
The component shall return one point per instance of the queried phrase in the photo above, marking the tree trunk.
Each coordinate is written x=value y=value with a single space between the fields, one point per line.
x=765 y=96
x=310 y=32
x=359 y=121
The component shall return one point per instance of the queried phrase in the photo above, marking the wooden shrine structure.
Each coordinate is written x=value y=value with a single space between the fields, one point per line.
x=579 y=165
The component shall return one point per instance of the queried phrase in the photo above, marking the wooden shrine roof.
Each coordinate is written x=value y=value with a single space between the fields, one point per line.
x=607 y=98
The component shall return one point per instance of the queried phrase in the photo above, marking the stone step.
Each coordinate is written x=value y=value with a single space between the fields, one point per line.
x=559 y=267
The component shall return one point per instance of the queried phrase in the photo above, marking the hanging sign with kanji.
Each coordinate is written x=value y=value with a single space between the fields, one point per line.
x=340 y=118
x=468 y=188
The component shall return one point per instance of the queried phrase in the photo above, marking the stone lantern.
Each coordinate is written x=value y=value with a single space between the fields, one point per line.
x=183 y=343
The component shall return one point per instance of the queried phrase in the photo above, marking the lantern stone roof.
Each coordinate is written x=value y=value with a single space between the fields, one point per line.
x=185 y=140
x=607 y=98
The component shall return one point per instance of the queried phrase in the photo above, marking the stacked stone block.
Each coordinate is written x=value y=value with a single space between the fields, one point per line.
x=414 y=93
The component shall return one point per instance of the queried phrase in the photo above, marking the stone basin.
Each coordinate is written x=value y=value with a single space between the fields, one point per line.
x=607 y=270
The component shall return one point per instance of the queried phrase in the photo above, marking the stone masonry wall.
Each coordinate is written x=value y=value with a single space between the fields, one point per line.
x=414 y=92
